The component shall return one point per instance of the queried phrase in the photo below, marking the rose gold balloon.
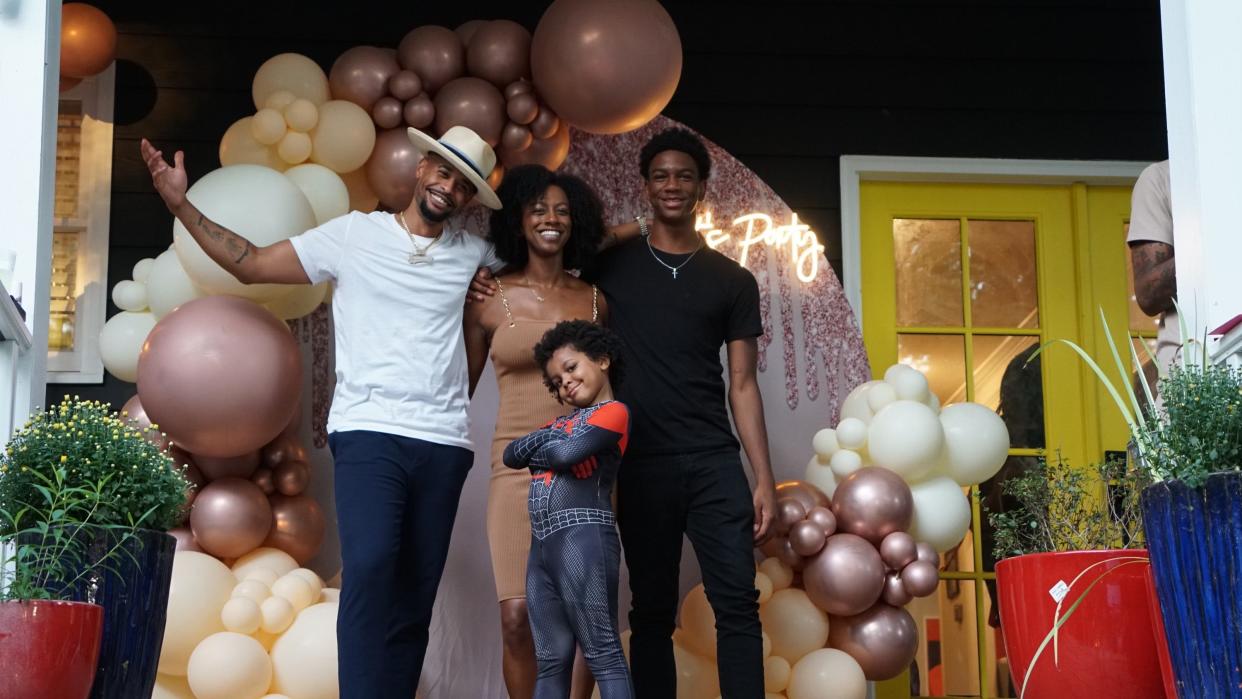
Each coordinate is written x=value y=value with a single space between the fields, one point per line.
x=390 y=169
x=133 y=413
x=772 y=547
x=215 y=467
x=291 y=477
x=419 y=112
x=474 y=103
x=519 y=87
x=499 y=52
x=920 y=578
x=606 y=66
x=883 y=639
x=297 y=526
x=386 y=113
x=220 y=375
x=516 y=137
x=294 y=428
x=435 y=53
x=548 y=152
x=898 y=550
x=823 y=517
x=195 y=476
x=263 y=478
x=466 y=30
x=497 y=176
x=873 y=502
x=405 y=85
x=545 y=123
x=361 y=75
x=185 y=539
x=87 y=40
x=788 y=513
x=846 y=577
x=805 y=493
x=895 y=592
x=67 y=83
x=927 y=552
x=806 y=538
x=230 y=518
x=522 y=108
x=283 y=448
x=790 y=556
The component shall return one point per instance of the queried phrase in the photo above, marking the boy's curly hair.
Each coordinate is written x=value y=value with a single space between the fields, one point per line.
x=595 y=341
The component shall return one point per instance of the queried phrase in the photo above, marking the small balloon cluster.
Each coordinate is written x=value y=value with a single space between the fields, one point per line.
x=264 y=629
x=87 y=43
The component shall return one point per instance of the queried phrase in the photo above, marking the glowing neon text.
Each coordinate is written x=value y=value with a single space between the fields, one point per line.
x=805 y=249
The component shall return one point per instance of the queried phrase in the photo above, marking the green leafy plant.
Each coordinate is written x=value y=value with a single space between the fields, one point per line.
x=97 y=449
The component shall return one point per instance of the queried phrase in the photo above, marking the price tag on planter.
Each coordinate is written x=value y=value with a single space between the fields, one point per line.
x=1059 y=591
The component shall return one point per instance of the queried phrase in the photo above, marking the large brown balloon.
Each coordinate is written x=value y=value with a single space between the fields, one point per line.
x=221 y=375
x=605 y=66
x=499 y=52
x=136 y=415
x=216 y=467
x=390 y=169
x=291 y=477
x=474 y=103
x=806 y=538
x=548 y=152
x=361 y=75
x=805 y=493
x=386 y=112
x=845 y=578
x=873 y=502
x=435 y=53
x=231 y=517
x=920 y=578
x=419 y=112
x=297 y=526
x=898 y=550
x=883 y=639
x=466 y=30
x=87 y=40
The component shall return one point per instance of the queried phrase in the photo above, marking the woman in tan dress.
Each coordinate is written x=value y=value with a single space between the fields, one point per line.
x=550 y=223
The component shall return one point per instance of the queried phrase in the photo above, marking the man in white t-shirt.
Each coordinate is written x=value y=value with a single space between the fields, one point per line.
x=399 y=431
x=1151 y=252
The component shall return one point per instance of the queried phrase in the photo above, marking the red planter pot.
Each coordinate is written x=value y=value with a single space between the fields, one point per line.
x=1107 y=649
x=48 y=650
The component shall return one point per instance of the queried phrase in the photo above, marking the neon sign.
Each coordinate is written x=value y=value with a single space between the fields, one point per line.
x=804 y=246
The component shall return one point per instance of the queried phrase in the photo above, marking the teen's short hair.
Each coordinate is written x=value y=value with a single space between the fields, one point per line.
x=595 y=341
x=677 y=139
x=525 y=184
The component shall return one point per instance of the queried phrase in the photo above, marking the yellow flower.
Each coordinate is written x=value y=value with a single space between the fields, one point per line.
x=63 y=458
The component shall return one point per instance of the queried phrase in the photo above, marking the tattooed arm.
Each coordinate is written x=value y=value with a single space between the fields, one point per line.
x=1155 y=285
x=250 y=264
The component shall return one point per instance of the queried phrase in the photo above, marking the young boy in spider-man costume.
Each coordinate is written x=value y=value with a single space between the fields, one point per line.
x=571 y=575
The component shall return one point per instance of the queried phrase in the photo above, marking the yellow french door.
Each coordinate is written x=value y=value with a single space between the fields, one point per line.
x=963 y=282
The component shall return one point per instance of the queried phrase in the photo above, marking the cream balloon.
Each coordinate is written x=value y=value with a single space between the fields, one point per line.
x=130 y=295
x=330 y=594
x=310 y=577
x=976 y=442
x=880 y=396
x=845 y=462
x=303 y=300
x=764 y=585
x=851 y=433
x=241 y=615
x=698 y=622
x=296 y=590
x=294 y=148
x=304 y=658
x=273 y=559
x=941 y=513
x=168 y=286
x=301 y=115
x=198 y=590
x=893 y=373
x=795 y=625
x=239 y=147
x=267 y=576
x=275 y=696
x=142 y=269
x=827 y=672
x=777 y=571
x=855 y=404
x=171 y=687
x=933 y=402
x=906 y=438
x=324 y=189
x=343 y=138
x=254 y=590
x=825 y=444
x=820 y=476
x=120 y=343
x=278 y=614
x=229 y=665
x=293 y=73
x=696 y=676
x=268 y=126
x=776 y=671
x=909 y=385
x=278 y=100
x=767 y=644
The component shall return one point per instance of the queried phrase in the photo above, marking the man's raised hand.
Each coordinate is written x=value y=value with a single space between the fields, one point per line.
x=170 y=181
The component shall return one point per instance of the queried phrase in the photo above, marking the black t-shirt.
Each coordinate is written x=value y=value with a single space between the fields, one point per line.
x=673 y=329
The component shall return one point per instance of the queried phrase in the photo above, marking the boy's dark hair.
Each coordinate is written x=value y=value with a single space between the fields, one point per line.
x=525 y=184
x=679 y=140
x=595 y=341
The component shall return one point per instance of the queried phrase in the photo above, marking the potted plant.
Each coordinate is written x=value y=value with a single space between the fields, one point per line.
x=141 y=494
x=1070 y=563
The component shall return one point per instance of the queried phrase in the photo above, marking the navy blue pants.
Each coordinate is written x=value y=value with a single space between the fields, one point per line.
x=396 y=499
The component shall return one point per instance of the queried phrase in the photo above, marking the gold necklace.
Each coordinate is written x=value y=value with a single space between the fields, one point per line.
x=526 y=280
x=419 y=256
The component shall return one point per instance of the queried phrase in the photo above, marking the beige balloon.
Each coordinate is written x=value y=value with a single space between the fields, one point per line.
x=777 y=571
x=239 y=147
x=821 y=476
x=776 y=671
x=130 y=295
x=330 y=594
x=304 y=299
x=324 y=189
x=278 y=614
x=275 y=560
x=171 y=687
x=795 y=625
x=120 y=343
x=199 y=588
x=301 y=115
x=310 y=577
x=296 y=590
x=361 y=197
x=304 y=658
x=344 y=137
x=241 y=615
x=229 y=665
x=268 y=126
x=254 y=590
x=698 y=623
x=294 y=148
x=142 y=269
x=267 y=576
x=278 y=100
x=764 y=585
x=827 y=672
x=696 y=676
x=292 y=72
x=168 y=285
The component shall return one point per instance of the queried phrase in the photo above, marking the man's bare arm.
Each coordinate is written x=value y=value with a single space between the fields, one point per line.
x=1155 y=281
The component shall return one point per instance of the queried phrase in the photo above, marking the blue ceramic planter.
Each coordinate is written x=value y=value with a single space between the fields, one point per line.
x=1194 y=536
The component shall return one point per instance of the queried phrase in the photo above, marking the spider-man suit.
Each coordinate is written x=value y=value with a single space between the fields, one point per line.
x=571 y=575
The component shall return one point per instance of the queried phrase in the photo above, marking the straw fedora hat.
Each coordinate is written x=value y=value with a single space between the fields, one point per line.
x=466 y=151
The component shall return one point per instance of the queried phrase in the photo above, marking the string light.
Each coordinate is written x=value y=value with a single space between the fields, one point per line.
x=805 y=250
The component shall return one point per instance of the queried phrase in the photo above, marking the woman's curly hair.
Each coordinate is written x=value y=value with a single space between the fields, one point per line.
x=595 y=341
x=522 y=186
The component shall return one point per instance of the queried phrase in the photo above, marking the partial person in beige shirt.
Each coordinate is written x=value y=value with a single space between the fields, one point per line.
x=1151 y=251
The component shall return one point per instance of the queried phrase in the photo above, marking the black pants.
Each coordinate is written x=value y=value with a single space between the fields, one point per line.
x=396 y=499
x=706 y=496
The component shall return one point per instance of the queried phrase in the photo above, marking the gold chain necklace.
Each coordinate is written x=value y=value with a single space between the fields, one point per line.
x=420 y=256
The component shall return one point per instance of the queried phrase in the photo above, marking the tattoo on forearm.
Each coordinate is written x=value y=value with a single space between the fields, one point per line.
x=237 y=247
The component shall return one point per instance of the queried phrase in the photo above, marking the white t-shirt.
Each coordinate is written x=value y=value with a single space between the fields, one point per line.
x=1151 y=220
x=400 y=352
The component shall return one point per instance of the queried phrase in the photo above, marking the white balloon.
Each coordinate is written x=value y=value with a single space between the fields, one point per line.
x=304 y=299
x=168 y=286
x=827 y=672
x=130 y=295
x=880 y=396
x=199 y=589
x=324 y=189
x=941 y=513
x=120 y=343
x=824 y=443
x=229 y=665
x=845 y=462
x=820 y=476
x=855 y=404
x=933 y=402
x=255 y=202
x=976 y=442
x=906 y=438
x=892 y=373
x=909 y=385
x=852 y=433
x=330 y=594
x=304 y=658
x=142 y=269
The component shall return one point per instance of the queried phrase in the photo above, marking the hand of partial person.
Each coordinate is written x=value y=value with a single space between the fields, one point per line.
x=765 y=509
x=586 y=468
x=481 y=286
x=170 y=180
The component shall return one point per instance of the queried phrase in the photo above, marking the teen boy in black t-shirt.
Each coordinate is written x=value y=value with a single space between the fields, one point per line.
x=674 y=302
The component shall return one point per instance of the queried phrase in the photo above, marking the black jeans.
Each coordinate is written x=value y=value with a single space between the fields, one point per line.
x=706 y=496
